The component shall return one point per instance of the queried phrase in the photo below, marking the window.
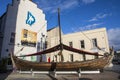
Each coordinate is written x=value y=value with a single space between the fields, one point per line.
x=38 y=46
x=84 y=57
x=70 y=44
x=95 y=57
x=46 y=44
x=12 y=38
x=24 y=58
x=94 y=41
x=82 y=43
x=9 y=62
x=71 y=57
x=25 y=33
x=33 y=58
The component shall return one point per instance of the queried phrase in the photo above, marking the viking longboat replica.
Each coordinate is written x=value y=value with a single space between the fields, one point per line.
x=98 y=63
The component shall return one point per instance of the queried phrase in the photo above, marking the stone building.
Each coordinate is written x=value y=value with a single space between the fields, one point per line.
x=86 y=40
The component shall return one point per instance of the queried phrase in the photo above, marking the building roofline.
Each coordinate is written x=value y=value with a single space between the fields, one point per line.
x=51 y=29
x=3 y=15
x=86 y=31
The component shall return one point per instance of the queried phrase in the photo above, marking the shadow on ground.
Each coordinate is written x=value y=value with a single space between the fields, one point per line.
x=85 y=79
x=76 y=78
x=4 y=75
x=119 y=77
x=53 y=78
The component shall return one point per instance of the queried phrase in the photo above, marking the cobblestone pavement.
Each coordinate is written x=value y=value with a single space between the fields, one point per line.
x=108 y=74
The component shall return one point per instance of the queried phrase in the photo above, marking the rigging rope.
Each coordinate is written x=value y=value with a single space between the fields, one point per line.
x=72 y=22
x=45 y=24
x=47 y=20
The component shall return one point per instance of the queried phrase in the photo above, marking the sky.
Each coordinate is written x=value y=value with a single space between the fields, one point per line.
x=81 y=15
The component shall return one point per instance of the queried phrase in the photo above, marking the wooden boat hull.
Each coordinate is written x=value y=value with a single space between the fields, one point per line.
x=61 y=66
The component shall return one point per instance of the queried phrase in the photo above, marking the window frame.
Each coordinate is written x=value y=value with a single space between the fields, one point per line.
x=94 y=42
x=71 y=44
x=12 y=37
x=82 y=45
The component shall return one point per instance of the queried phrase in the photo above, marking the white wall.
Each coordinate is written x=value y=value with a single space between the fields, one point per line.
x=16 y=22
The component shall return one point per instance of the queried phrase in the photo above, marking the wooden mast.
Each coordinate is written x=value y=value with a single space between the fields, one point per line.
x=61 y=46
x=59 y=26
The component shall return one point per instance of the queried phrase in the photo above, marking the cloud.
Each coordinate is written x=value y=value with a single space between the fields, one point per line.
x=52 y=5
x=91 y=26
x=99 y=16
x=93 y=19
x=66 y=5
x=114 y=37
x=87 y=27
x=88 y=1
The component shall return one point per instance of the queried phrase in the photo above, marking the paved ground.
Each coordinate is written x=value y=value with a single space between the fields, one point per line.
x=108 y=74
